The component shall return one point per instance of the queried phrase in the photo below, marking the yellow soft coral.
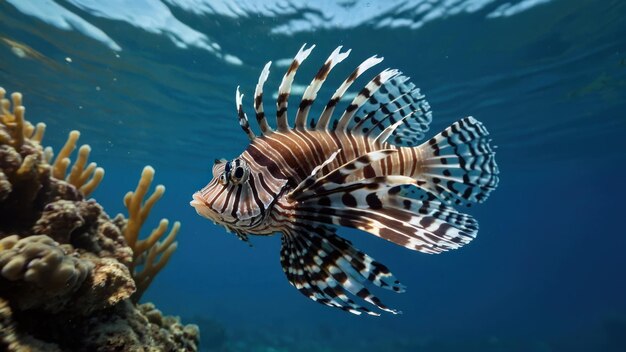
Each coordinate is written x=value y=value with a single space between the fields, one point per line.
x=84 y=177
x=12 y=116
x=150 y=254
x=20 y=142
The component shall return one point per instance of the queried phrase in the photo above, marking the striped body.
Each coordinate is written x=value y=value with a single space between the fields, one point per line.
x=297 y=153
x=365 y=170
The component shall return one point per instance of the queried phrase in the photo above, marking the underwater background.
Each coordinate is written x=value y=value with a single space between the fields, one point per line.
x=153 y=82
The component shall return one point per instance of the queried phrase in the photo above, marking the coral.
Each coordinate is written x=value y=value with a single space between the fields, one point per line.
x=65 y=266
x=179 y=335
x=23 y=173
x=85 y=177
x=74 y=222
x=60 y=218
x=13 y=340
x=5 y=186
x=17 y=129
x=123 y=327
x=150 y=254
x=109 y=284
x=41 y=261
x=39 y=273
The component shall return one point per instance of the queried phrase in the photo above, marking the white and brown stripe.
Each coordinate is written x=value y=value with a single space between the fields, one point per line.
x=243 y=118
x=311 y=91
x=258 y=100
x=285 y=88
x=326 y=115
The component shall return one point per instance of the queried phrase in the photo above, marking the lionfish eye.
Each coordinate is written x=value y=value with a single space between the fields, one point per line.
x=238 y=171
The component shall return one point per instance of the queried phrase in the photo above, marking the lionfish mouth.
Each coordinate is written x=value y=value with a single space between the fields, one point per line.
x=197 y=201
x=204 y=210
x=200 y=205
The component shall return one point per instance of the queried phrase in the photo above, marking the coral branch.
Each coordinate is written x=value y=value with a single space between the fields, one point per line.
x=20 y=157
x=19 y=121
x=59 y=167
x=86 y=179
x=149 y=255
x=37 y=134
x=12 y=116
x=152 y=265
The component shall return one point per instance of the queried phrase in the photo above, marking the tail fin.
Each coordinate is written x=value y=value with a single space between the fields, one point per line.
x=459 y=164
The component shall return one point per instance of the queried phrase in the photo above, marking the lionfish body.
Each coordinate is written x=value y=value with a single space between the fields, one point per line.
x=364 y=169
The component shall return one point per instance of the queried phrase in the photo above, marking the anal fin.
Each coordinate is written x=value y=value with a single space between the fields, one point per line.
x=326 y=268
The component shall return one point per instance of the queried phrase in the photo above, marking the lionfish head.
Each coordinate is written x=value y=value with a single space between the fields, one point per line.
x=228 y=199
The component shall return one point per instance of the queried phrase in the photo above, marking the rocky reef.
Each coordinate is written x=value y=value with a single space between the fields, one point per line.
x=70 y=276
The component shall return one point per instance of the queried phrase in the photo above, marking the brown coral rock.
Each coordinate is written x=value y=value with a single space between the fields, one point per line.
x=123 y=327
x=129 y=325
x=76 y=223
x=110 y=242
x=109 y=284
x=37 y=272
x=59 y=219
x=24 y=169
x=41 y=261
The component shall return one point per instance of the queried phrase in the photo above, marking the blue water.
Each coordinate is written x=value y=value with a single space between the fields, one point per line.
x=146 y=84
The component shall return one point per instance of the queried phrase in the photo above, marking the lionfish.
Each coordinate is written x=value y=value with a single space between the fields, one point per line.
x=364 y=170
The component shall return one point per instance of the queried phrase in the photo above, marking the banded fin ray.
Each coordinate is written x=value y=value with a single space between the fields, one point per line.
x=258 y=100
x=459 y=163
x=397 y=100
x=326 y=267
x=285 y=88
x=375 y=205
x=311 y=91
x=426 y=226
x=291 y=254
x=243 y=118
x=325 y=117
x=370 y=88
x=384 y=135
x=335 y=258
